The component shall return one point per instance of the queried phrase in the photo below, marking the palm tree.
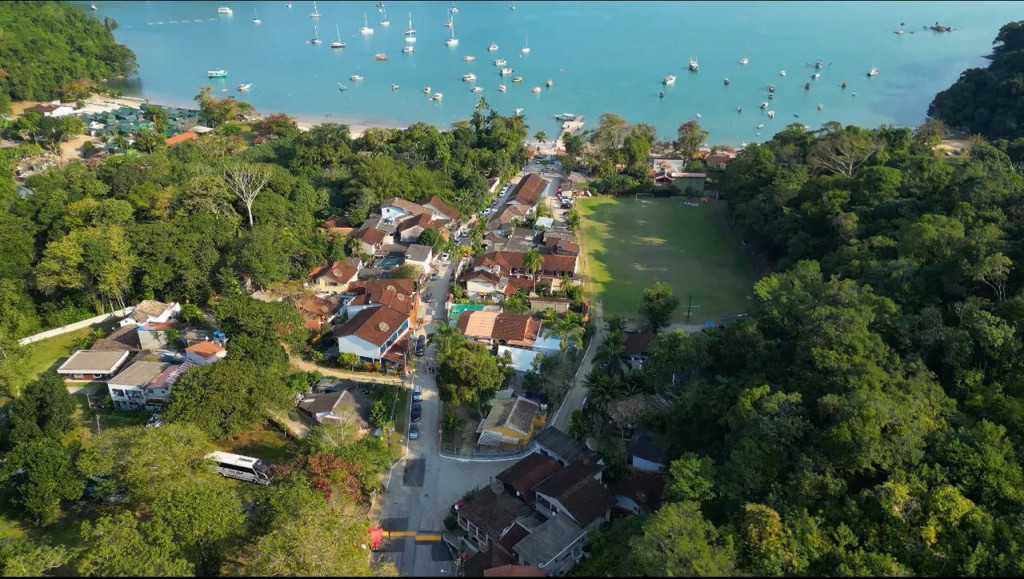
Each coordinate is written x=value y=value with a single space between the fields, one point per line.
x=446 y=338
x=481 y=105
x=532 y=261
x=611 y=356
x=603 y=387
x=541 y=137
x=567 y=330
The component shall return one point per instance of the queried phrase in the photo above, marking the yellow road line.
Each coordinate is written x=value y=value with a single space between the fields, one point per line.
x=428 y=537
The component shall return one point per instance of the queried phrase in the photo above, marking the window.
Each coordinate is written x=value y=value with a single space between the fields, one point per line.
x=116 y=392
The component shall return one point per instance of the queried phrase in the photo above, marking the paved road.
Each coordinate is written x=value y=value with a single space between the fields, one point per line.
x=578 y=393
x=297 y=362
x=423 y=486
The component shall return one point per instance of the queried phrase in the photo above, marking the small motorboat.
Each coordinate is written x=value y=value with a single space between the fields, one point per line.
x=380 y=56
x=394 y=87
x=818 y=63
x=492 y=47
x=739 y=109
x=505 y=71
x=668 y=80
x=842 y=84
x=771 y=114
x=807 y=86
x=355 y=77
x=476 y=89
x=726 y=82
x=517 y=79
x=771 y=95
x=820 y=106
x=761 y=126
x=426 y=90
x=796 y=116
x=437 y=96
x=469 y=77
x=764 y=105
x=854 y=93
x=501 y=88
x=550 y=83
x=536 y=89
x=873 y=71
x=468 y=58
x=500 y=62
x=771 y=88
x=342 y=87
x=408 y=49
x=661 y=94
x=244 y=86
x=519 y=111
x=815 y=76
x=697 y=115
x=744 y=60
x=693 y=65
x=782 y=73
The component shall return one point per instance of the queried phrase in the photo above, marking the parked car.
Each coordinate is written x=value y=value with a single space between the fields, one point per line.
x=457 y=505
x=417 y=393
x=414 y=432
x=417 y=411
x=421 y=347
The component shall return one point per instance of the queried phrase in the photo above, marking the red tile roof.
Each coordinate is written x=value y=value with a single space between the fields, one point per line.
x=181 y=138
x=370 y=235
x=425 y=220
x=509 y=260
x=405 y=205
x=516 y=329
x=529 y=189
x=338 y=271
x=205 y=349
x=441 y=206
x=529 y=472
x=375 y=325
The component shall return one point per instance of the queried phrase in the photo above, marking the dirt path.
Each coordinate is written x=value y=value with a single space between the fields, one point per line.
x=301 y=364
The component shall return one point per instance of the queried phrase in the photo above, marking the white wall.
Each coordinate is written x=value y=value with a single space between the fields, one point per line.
x=75 y=326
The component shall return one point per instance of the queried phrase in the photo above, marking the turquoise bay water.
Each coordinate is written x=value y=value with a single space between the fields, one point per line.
x=601 y=56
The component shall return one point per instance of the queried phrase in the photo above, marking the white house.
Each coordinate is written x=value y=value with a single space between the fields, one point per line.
x=93 y=365
x=394 y=210
x=205 y=353
x=127 y=388
x=372 y=332
x=419 y=255
x=152 y=311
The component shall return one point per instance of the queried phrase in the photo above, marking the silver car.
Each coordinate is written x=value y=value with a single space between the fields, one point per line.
x=414 y=432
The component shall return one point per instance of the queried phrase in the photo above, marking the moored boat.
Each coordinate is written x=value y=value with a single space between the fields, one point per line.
x=492 y=47
x=216 y=73
x=437 y=96
x=469 y=77
x=693 y=65
x=225 y=10
x=408 y=49
x=500 y=62
x=468 y=58
x=501 y=88
x=668 y=80
x=380 y=56
x=517 y=79
x=536 y=89
x=873 y=71
x=244 y=86
x=355 y=77
x=394 y=87
x=505 y=71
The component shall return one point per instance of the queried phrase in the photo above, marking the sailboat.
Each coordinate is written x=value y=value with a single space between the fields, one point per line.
x=366 y=26
x=744 y=60
x=385 y=22
x=409 y=31
x=452 y=41
x=337 y=43
x=316 y=35
x=526 y=47
x=316 y=13
x=511 y=5
x=453 y=9
x=93 y=6
x=256 y=17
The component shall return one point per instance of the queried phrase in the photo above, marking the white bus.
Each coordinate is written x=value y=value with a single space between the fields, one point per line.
x=241 y=467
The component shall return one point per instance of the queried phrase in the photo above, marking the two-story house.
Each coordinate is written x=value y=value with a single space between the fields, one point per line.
x=507 y=329
x=316 y=311
x=563 y=448
x=397 y=294
x=335 y=277
x=528 y=190
x=372 y=332
x=576 y=491
x=127 y=388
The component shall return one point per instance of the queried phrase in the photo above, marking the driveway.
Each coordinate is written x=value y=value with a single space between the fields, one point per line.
x=575 y=397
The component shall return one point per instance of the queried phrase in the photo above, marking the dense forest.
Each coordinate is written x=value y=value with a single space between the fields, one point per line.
x=988 y=101
x=867 y=418
x=50 y=50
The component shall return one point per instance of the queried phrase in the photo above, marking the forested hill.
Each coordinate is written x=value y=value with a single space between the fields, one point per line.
x=989 y=101
x=867 y=418
x=46 y=46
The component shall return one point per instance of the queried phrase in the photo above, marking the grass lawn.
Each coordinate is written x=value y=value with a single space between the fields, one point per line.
x=51 y=352
x=86 y=417
x=629 y=244
x=262 y=442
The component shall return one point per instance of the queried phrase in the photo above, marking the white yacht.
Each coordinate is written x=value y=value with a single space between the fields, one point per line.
x=566 y=117
x=408 y=49
x=356 y=77
x=744 y=61
x=316 y=13
x=468 y=58
x=771 y=114
x=518 y=111
x=453 y=9
x=366 y=26
x=225 y=10
x=536 y=89
x=492 y=47
x=385 y=22
x=668 y=80
x=426 y=90
x=244 y=86
x=815 y=76
x=476 y=89
x=693 y=65
x=469 y=77
x=764 y=105
x=337 y=43
x=550 y=83
x=873 y=71
x=436 y=96
x=256 y=17
x=394 y=87
x=501 y=88
x=93 y=6
x=409 y=31
x=782 y=73
x=505 y=71
x=526 y=46
x=316 y=35
x=500 y=62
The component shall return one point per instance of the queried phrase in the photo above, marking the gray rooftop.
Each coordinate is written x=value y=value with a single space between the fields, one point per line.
x=563 y=445
x=418 y=252
x=548 y=540
x=139 y=374
x=94 y=362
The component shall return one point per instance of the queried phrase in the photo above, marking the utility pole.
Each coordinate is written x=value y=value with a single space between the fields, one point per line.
x=689 y=304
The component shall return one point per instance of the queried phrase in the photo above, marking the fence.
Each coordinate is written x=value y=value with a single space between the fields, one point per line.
x=75 y=326
x=475 y=452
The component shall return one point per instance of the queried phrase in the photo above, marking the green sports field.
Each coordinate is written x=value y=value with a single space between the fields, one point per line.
x=628 y=244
